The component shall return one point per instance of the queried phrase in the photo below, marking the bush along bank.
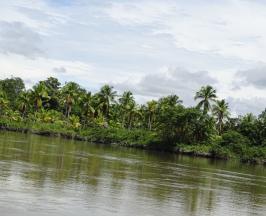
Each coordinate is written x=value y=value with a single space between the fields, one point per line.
x=231 y=145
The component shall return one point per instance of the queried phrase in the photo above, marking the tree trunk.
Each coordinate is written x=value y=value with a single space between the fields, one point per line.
x=124 y=119
x=220 y=128
x=149 y=123
x=68 y=111
x=129 y=121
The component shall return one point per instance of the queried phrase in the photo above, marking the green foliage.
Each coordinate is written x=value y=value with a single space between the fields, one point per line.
x=47 y=116
x=234 y=144
x=197 y=150
x=206 y=95
x=253 y=154
x=184 y=125
x=165 y=124
x=74 y=122
x=52 y=86
x=234 y=140
x=70 y=94
x=39 y=95
x=124 y=137
x=24 y=103
x=221 y=113
x=106 y=97
x=12 y=87
x=3 y=102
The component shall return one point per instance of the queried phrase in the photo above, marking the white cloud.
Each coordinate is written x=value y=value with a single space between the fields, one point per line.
x=35 y=14
x=255 y=77
x=41 y=68
x=222 y=27
x=132 y=44
x=169 y=81
x=59 y=70
x=140 y=13
x=16 y=37
x=243 y=106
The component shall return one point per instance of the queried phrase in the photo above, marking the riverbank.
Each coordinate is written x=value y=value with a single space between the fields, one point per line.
x=136 y=138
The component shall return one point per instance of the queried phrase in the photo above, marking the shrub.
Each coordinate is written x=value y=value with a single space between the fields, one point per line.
x=220 y=152
x=253 y=154
x=235 y=141
x=231 y=144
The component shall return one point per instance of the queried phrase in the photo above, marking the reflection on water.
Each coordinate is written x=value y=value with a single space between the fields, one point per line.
x=53 y=176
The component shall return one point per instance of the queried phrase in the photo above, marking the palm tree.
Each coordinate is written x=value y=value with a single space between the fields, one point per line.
x=206 y=94
x=126 y=102
x=221 y=112
x=133 y=114
x=70 y=93
x=171 y=100
x=3 y=101
x=39 y=95
x=167 y=102
x=126 y=98
x=52 y=84
x=151 y=109
x=106 y=97
x=23 y=102
x=86 y=105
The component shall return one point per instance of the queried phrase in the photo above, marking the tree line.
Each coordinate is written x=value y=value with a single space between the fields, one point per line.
x=171 y=123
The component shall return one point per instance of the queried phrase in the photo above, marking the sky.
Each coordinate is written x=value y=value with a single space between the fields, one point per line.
x=150 y=47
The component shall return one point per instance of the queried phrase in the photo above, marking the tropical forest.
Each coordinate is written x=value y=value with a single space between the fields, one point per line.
x=68 y=110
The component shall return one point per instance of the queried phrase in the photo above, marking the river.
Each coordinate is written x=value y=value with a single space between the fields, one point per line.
x=52 y=176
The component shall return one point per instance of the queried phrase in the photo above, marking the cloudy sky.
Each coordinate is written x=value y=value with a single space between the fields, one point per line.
x=151 y=47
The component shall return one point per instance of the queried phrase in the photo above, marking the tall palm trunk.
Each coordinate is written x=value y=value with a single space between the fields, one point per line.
x=69 y=102
x=130 y=120
x=23 y=110
x=38 y=104
x=150 y=122
x=220 y=125
x=124 y=119
x=68 y=110
x=220 y=128
x=205 y=108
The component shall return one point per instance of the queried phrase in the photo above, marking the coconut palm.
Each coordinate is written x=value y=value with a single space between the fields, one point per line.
x=206 y=95
x=126 y=103
x=86 y=103
x=126 y=99
x=106 y=96
x=70 y=94
x=170 y=100
x=133 y=114
x=23 y=102
x=53 y=86
x=3 y=101
x=151 y=109
x=129 y=109
x=39 y=95
x=221 y=112
x=167 y=102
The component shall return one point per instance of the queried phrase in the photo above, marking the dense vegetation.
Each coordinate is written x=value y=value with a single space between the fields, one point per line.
x=165 y=124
